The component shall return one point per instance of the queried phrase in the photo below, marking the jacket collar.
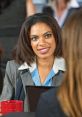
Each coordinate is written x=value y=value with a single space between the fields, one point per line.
x=59 y=64
x=25 y=66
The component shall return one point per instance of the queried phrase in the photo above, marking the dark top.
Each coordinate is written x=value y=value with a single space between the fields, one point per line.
x=20 y=114
x=49 y=106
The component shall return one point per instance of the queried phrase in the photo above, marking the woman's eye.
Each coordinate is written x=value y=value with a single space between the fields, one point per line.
x=34 y=39
x=48 y=35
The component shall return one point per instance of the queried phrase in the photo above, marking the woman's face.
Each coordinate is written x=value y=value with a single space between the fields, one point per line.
x=42 y=40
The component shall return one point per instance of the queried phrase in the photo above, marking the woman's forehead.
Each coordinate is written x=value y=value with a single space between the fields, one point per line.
x=40 y=28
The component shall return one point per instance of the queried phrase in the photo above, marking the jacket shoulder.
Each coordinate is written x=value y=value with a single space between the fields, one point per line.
x=12 y=66
x=12 y=72
x=12 y=63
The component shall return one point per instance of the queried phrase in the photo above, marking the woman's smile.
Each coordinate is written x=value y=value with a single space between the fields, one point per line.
x=43 y=50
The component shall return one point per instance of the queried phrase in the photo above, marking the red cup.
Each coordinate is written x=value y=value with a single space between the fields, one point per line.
x=11 y=106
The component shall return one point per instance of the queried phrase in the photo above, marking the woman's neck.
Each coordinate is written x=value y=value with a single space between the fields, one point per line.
x=44 y=63
x=44 y=67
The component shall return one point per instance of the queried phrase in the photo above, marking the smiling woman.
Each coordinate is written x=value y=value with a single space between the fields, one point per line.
x=43 y=45
x=39 y=59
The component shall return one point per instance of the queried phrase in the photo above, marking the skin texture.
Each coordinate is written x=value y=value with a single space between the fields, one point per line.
x=42 y=40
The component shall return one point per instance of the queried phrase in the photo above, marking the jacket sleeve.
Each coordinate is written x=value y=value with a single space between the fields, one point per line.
x=8 y=87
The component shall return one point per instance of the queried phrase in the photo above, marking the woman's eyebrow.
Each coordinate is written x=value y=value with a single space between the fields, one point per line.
x=49 y=32
x=33 y=36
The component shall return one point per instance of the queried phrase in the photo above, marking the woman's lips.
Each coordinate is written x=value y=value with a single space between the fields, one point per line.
x=43 y=50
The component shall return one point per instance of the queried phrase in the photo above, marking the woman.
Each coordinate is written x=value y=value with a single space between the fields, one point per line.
x=38 y=58
x=62 y=10
x=67 y=101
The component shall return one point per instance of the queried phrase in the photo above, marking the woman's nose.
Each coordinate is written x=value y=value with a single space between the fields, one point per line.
x=41 y=41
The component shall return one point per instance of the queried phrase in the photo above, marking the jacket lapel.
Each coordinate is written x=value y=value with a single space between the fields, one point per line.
x=26 y=78
x=57 y=79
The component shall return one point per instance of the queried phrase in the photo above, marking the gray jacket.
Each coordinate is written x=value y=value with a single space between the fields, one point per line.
x=12 y=74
